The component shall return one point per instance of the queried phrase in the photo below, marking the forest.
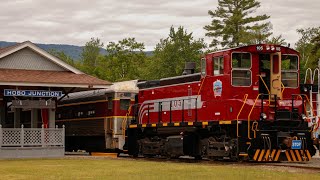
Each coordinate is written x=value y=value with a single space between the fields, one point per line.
x=233 y=23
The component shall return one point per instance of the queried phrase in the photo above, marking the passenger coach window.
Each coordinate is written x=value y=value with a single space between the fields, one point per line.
x=289 y=67
x=241 y=73
x=218 y=65
x=110 y=103
x=124 y=104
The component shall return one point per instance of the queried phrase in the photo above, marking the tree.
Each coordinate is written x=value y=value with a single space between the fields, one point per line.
x=278 y=40
x=61 y=55
x=90 y=55
x=316 y=41
x=233 y=23
x=124 y=60
x=171 y=53
x=307 y=46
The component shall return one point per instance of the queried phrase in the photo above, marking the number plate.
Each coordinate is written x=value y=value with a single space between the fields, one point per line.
x=296 y=144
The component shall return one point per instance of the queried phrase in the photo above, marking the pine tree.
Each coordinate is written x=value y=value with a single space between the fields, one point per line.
x=234 y=24
x=171 y=53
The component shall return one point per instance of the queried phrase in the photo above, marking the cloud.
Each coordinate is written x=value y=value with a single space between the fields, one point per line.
x=75 y=22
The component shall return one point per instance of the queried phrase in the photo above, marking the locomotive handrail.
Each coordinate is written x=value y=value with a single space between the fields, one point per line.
x=283 y=87
x=254 y=104
x=305 y=78
x=266 y=87
x=315 y=71
x=201 y=85
x=244 y=102
x=254 y=128
x=124 y=122
x=300 y=95
x=311 y=106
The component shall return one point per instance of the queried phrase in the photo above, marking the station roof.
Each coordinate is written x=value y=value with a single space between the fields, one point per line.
x=25 y=64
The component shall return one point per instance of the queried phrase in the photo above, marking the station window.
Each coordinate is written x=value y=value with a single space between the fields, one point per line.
x=110 y=103
x=241 y=73
x=218 y=65
x=289 y=67
x=203 y=66
x=124 y=104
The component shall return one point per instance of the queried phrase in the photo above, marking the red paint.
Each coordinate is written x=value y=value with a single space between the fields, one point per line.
x=224 y=107
x=45 y=117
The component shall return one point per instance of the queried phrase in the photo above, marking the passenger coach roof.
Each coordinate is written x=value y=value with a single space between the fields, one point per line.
x=125 y=86
x=86 y=94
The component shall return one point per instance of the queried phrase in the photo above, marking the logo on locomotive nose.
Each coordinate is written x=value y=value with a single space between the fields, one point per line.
x=217 y=88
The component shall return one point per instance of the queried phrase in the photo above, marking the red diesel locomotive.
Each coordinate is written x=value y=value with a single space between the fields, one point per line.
x=245 y=104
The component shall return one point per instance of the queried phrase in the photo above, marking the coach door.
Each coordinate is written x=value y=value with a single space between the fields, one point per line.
x=275 y=74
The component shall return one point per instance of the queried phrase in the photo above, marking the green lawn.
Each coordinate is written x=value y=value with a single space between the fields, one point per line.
x=104 y=168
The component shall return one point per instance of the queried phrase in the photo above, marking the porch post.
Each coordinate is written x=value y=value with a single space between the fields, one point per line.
x=17 y=112
x=52 y=118
x=34 y=118
x=2 y=112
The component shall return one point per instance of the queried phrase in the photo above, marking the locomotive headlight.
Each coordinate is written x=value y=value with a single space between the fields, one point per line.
x=263 y=116
x=303 y=116
x=305 y=89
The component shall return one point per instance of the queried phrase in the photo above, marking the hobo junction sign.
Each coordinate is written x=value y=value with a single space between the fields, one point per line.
x=32 y=93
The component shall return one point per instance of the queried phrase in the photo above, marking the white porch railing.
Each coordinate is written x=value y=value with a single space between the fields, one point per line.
x=32 y=137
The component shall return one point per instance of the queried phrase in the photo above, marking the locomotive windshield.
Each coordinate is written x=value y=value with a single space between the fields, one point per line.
x=241 y=73
x=289 y=66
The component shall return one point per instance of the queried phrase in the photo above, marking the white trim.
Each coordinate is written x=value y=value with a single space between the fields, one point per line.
x=44 y=53
x=53 y=85
x=193 y=82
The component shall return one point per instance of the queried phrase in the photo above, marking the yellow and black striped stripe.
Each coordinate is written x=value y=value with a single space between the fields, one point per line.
x=298 y=155
x=266 y=155
x=210 y=123
x=273 y=155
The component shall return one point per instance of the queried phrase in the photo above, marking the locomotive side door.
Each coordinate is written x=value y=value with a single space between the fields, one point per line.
x=275 y=74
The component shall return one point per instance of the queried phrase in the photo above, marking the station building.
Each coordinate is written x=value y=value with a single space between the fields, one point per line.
x=32 y=81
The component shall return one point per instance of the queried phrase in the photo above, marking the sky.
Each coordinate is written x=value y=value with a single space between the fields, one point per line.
x=74 y=22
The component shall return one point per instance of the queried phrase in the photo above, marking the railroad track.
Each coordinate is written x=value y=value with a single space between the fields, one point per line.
x=313 y=165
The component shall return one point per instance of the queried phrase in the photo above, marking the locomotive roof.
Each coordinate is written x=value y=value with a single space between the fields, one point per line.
x=253 y=45
x=170 y=80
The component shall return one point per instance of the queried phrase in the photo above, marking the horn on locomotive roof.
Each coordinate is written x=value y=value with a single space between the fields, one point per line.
x=189 y=68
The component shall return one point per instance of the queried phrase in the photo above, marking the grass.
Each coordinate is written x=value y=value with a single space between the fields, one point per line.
x=104 y=168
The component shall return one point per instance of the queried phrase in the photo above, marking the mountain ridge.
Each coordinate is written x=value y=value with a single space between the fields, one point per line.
x=71 y=50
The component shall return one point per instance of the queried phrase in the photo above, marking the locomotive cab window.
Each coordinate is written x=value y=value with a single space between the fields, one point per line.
x=110 y=103
x=241 y=73
x=289 y=67
x=218 y=65
x=203 y=67
x=124 y=104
